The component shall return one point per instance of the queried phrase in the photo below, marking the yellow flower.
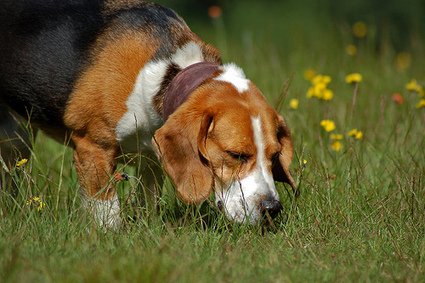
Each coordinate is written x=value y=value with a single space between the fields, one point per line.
x=328 y=125
x=359 y=135
x=336 y=146
x=336 y=137
x=351 y=50
x=310 y=92
x=309 y=74
x=321 y=79
x=356 y=134
x=360 y=29
x=412 y=85
x=421 y=103
x=36 y=202
x=319 y=88
x=293 y=103
x=327 y=94
x=21 y=163
x=353 y=78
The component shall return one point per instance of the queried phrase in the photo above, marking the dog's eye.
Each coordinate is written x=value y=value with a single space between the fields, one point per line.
x=238 y=156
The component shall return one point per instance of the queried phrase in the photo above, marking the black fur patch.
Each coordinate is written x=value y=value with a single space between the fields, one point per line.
x=45 y=45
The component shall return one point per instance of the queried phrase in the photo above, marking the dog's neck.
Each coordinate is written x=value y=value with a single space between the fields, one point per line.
x=184 y=83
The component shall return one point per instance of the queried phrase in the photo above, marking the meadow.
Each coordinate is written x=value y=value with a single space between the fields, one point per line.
x=355 y=106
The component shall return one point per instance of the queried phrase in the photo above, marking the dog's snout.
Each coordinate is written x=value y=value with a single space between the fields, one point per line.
x=271 y=206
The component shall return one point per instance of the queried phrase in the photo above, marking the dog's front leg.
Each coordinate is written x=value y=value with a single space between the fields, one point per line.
x=95 y=163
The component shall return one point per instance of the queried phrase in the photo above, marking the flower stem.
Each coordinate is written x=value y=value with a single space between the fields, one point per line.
x=354 y=99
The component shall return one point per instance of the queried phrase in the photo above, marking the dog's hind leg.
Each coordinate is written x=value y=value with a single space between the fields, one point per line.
x=16 y=138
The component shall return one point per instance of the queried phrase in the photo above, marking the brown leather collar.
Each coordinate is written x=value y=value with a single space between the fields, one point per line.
x=183 y=84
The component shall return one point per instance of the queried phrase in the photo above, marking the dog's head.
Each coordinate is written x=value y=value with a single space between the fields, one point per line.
x=226 y=138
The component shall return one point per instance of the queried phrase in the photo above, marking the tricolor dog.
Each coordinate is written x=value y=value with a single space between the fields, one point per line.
x=118 y=77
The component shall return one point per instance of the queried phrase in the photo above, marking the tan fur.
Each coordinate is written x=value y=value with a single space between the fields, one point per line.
x=193 y=144
x=178 y=143
x=98 y=103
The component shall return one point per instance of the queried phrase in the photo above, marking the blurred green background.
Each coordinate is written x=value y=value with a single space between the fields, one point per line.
x=393 y=21
x=393 y=26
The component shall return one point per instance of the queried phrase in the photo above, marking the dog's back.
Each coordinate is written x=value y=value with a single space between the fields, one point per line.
x=42 y=46
x=46 y=45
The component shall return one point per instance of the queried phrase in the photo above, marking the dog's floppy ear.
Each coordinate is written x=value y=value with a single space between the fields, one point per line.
x=281 y=165
x=180 y=145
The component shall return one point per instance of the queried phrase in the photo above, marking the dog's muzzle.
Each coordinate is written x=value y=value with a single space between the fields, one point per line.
x=270 y=206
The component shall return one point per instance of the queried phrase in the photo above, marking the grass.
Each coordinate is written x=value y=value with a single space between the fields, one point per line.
x=360 y=215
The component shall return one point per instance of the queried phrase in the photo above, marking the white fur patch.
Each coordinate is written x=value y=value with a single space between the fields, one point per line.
x=188 y=54
x=106 y=213
x=234 y=75
x=243 y=197
x=135 y=128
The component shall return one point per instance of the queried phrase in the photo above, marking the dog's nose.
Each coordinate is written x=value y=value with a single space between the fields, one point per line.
x=271 y=206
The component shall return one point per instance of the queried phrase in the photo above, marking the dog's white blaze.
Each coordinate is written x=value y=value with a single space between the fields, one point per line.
x=243 y=197
x=234 y=75
x=261 y=159
x=135 y=128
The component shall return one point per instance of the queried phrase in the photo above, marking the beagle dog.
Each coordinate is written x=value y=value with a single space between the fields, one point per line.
x=117 y=77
